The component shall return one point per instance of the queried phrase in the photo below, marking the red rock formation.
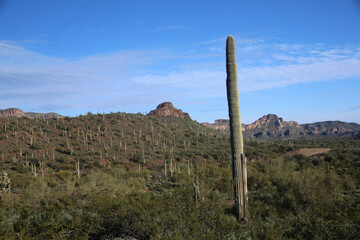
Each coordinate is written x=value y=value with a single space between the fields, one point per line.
x=168 y=109
x=11 y=112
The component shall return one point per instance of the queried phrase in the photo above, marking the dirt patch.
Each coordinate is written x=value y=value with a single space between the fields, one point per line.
x=308 y=151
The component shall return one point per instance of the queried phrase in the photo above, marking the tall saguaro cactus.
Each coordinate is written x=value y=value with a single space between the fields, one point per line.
x=236 y=138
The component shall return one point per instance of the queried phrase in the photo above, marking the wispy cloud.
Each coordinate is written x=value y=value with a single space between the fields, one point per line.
x=169 y=27
x=265 y=77
x=140 y=79
x=211 y=42
x=353 y=108
x=28 y=78
x=278 y=69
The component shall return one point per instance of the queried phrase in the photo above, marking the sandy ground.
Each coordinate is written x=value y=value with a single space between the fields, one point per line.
x=308 y=151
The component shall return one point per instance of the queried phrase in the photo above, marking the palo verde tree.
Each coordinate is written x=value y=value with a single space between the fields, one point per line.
x=236 y=138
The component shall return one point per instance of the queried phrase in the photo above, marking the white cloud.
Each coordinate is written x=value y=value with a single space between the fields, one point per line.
x=307 y=67
x=146 y=77
x=259 y=78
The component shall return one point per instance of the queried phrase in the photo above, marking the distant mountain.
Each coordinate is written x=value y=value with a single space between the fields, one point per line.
x=15 y=112
x=168 y=109
x=273 y=127
x=220 y=124
x=43 y=115
x=329 y=128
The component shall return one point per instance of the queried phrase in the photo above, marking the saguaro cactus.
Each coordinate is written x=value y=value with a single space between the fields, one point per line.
x=236 y=138
x=77 y=166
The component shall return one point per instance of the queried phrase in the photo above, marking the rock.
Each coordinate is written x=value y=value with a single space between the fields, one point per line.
x=220 y=124
x=168 y=109
x=11 y=112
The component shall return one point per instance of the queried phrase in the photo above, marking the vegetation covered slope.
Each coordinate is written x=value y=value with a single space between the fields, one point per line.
x=123 y=191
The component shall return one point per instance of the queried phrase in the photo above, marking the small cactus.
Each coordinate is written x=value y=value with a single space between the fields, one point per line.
x=196 y=185
x=77 y=166
x=5 y=182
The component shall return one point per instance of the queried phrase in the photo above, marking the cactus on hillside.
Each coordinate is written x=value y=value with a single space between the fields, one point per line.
x=196 y=185
x=236 y=138
x=77 y=166
x=5 y=182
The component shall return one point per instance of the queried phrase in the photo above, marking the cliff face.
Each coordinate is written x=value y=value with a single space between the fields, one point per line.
x=168 y=109
x=272 y=126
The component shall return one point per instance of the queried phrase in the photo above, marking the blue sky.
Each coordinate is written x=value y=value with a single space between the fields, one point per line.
x=297 y=59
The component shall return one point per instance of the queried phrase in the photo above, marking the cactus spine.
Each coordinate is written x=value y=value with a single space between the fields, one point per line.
x=236 y=138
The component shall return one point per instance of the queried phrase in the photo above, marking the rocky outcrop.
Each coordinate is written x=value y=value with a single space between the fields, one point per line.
x=168 y=109
x=272 y=126
x=11 y=112
x=220 y=124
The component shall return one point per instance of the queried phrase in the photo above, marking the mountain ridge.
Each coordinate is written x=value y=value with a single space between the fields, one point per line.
x=269 y=126
x=17 y=113
x=274 y=127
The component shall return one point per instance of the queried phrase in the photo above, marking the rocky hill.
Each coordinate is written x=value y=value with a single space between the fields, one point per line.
x=168 y=109
x=15 y=112
x=11 y=112
x=274 y=127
